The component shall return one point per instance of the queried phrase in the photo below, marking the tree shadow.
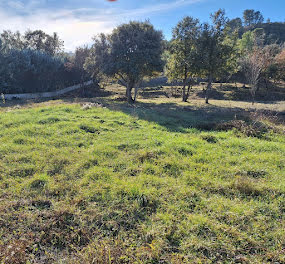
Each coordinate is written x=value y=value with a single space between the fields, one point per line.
x=153 y=92
x=175 y=117
x=170 y=115
x=230 y=92
x=74 y=96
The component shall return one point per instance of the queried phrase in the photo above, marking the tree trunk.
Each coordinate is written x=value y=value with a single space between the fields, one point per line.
x=129 y=94
x=186 y=93
x=253 y=91
x=209 y=87
x=136 y=92
x=184 y=98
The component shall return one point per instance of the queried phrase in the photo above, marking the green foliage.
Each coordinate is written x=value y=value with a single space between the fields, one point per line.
x=35 y=40
x=29 y=71
x=247 y=42
x=96 y=61
x=130 y=53
x=33 y=62
x=252 y=17
x=216 y=50
x=183 y=63
x=81 y=54
x=274 y=32
x=235 y=26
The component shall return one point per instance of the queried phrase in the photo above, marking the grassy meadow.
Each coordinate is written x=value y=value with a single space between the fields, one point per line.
x=155 y=182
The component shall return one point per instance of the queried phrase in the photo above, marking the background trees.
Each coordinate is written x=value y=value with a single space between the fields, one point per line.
x=34 y=62
x=280 y=66
x=34 y=40
x=215 y=50
x=98 y=54
x=183 y=62
x=21 y=71
x=130 y=53
x=251 y=17
x=80 y=56
x=39 y=40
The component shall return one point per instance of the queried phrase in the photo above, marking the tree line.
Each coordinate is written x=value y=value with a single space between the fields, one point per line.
x=217 y=51
x=35 y=62
x=222 y=50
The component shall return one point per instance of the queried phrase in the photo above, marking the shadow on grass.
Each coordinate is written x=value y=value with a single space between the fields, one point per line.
x=230 y=92
x=153 y=92
x=174 y=117
x=72 y=97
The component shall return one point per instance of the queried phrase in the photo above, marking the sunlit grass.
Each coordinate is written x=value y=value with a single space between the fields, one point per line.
x=137 y=185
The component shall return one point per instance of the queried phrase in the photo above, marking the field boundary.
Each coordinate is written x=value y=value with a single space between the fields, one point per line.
x=46 y=94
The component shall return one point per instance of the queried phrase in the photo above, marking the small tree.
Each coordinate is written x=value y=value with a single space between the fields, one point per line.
x=270 y=53
x=133 y=51
x=41 y=41
x=96 y=63
x=280 y=65
x=251 y=17
x=81 y=54
x=253 y=64
x=183 y=63
x=215 y=50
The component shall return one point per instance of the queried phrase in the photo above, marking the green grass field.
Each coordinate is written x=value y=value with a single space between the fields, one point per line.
x=151 y=183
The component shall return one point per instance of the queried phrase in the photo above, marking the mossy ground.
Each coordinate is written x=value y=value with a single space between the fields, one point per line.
x=148 y=183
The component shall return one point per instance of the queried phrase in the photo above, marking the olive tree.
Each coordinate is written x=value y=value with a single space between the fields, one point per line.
x=215 y=50
x=41 y=41
x=130 y=53
x=34 y=40
x=96 y=63
x=183 y=62
x=81 y=53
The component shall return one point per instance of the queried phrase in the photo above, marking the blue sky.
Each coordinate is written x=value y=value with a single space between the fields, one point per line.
x=77 y=21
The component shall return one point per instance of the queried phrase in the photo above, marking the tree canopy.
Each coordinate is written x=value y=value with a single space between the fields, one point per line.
x=183 y=63
x=130 y=53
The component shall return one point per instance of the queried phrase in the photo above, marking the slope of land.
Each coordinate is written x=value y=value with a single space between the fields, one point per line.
x=154 y=182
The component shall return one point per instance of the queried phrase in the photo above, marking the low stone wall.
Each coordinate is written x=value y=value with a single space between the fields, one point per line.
x=46 y=94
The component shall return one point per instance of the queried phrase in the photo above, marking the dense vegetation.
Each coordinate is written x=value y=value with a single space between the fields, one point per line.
x=245 y=50
x=35 y=62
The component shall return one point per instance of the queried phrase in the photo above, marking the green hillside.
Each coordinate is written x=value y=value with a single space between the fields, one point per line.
x=150 y=183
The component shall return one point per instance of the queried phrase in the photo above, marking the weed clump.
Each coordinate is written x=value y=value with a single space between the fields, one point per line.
x=249 y=129
x=38 y=182
x=49 y=120
x=209 y=138
x=89 y=129
x=247 y=186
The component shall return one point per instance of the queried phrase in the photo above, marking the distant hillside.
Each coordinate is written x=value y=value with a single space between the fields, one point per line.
x=274 y=32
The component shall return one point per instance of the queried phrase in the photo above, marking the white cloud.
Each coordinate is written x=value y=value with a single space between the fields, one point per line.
x=73 y=31
x=15 y=4
x=76 y=27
